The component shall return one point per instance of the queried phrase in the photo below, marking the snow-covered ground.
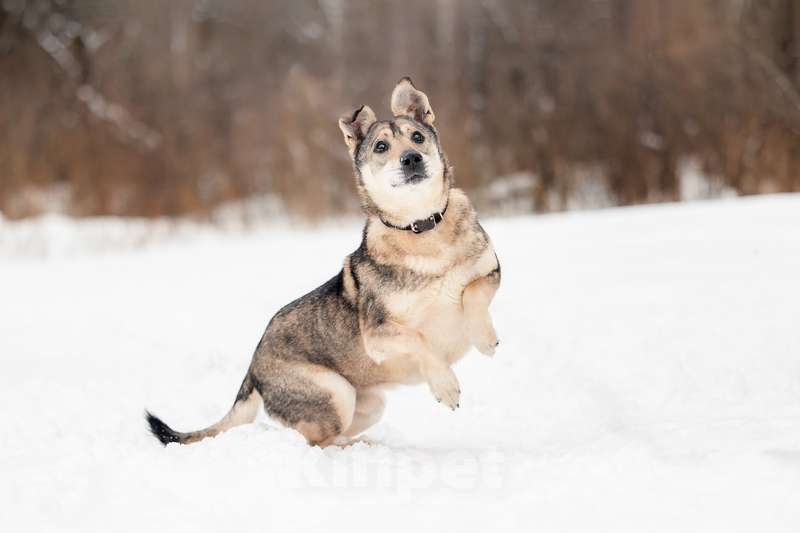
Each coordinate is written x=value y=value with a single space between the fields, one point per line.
x=648 y=379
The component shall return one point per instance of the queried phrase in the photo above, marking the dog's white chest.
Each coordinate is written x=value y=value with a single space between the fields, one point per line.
x=435 y=309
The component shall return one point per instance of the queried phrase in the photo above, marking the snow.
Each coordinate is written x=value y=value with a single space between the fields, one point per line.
x=648 y=379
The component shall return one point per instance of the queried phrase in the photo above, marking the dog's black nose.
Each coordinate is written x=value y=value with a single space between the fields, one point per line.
x=410 y=159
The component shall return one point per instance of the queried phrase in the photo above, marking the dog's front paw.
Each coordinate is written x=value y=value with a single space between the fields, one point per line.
x=445 y=388
x=486 y=341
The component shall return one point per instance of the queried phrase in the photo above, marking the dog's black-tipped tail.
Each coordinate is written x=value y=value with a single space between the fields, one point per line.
x=243 y=411
x=160 y=430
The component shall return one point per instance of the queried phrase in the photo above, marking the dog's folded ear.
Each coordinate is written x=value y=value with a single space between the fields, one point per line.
x=355 y=127
x=407 y=101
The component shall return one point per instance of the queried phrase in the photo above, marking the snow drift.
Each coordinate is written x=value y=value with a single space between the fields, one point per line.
x=648 y=379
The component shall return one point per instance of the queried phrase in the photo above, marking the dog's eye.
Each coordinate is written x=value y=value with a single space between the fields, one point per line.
x=417 y=137
x=381 y=146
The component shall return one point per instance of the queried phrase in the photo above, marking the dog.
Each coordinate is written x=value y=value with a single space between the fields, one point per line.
x=406 y=305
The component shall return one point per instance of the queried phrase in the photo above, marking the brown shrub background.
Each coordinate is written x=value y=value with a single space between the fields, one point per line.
x=155 y=107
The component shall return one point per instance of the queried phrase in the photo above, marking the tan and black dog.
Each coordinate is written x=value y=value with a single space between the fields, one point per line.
x=407 y=304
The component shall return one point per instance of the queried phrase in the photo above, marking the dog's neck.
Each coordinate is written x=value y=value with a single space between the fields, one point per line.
x=421 y=225
x=404 y=217
x=392 y=246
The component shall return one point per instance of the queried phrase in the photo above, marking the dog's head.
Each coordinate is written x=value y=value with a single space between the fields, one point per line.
x=402 y=174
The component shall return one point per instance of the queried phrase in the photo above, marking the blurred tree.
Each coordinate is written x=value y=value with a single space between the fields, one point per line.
x=145 y=107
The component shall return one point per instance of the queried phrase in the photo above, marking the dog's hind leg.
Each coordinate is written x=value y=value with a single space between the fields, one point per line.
x=370 y=403
x=314 y=400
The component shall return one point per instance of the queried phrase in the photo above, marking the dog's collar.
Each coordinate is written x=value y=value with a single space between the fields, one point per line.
x=422 y=225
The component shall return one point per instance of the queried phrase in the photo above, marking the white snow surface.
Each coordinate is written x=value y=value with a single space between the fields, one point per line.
x=648 y=379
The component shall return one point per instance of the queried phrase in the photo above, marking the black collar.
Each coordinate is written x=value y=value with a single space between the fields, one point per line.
x=422 y=225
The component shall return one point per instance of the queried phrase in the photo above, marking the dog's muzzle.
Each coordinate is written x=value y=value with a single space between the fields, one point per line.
x=413 y=167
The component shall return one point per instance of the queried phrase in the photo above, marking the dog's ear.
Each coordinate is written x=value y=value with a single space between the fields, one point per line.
x=354 y=127
x=407 y=101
